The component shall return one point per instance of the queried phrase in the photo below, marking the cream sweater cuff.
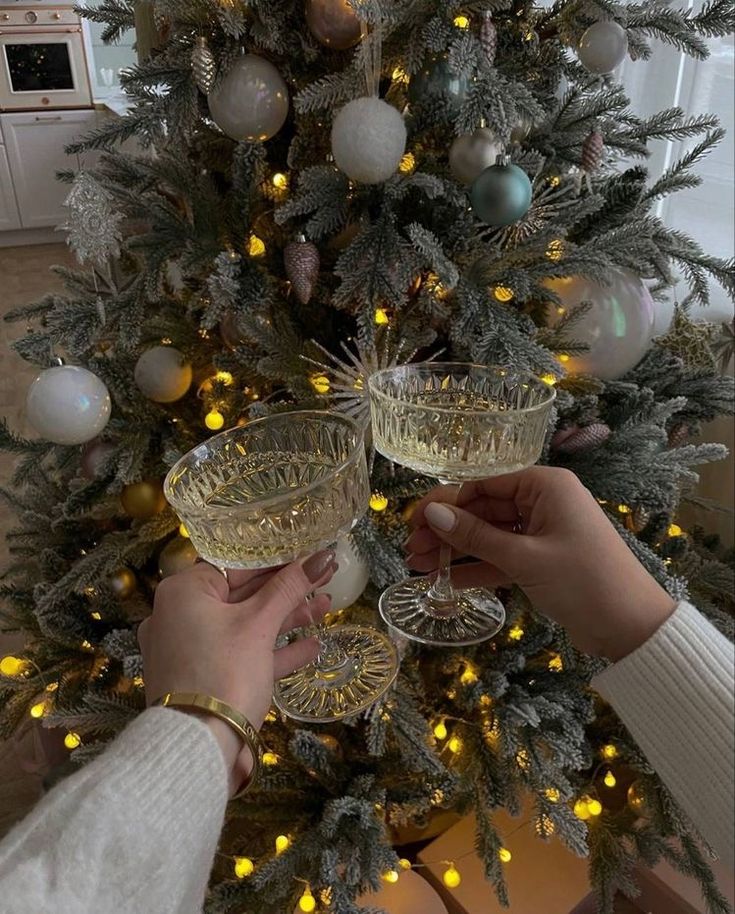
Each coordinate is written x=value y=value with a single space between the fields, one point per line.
x=675 y=695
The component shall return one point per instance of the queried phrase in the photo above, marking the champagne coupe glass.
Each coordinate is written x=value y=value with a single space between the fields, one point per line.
x=455 y=421
x=273 y=491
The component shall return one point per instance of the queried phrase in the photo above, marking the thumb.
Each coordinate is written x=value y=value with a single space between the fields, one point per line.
x=473 y=536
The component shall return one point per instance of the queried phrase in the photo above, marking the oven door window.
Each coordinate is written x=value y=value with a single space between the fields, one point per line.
x=39 y=67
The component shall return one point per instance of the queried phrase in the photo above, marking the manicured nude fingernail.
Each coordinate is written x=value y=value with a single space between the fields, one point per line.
x=316 y=566
x=441 y=517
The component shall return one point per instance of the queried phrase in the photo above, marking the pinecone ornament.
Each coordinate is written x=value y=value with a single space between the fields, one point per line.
x=489 y=37
x=573 y=439
x=203 y=65
x=678 y=436
x=592 y=150
x=301 y=260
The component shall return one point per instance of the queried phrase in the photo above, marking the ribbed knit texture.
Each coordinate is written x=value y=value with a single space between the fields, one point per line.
x=134 y=832
x=675 y=695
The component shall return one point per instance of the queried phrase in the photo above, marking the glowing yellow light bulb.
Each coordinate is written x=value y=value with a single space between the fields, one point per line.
x=549 y=379
x=581 y=809
x=556 y=664
x=624 y=509
x=378 y=501
x=96 y=616
x=390 y=876
x=461 y=21
x=674 y=530
x=225 y=377
x=307 y=902
x=244 y=866
x=320 y=383
x=563 y=358
x=555 y=180
x=555 y=250
x=13 y=666
x=407 y=164
x=455 y=745
x=138 y=682
x=183 y=531
x=38 y=710
x=451 y=877
x=72 y=740
x=256 y=246
x=522 y=759
x=505 y=855
x=485 y=701
x=283 y=842
x=503 y=293
x=404 y=863
x=399 y=75
x=552 y=794
x=280 y=180
x=609 y=751
x=269 y=758
x=609 y=780
x=214 y=420
x=381 y=317
x=594 y=807
x=515 y=633
x=440 y=730
x=469 y=677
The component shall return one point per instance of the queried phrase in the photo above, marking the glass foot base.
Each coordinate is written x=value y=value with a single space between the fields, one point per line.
x=321 y=694
x=474 y=615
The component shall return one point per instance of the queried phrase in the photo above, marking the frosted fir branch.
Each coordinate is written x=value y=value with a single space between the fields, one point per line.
x=667 y=24
x=429 y=247
x=96 y=714
x=330 y=92
x=322 y=195
x=118 y=16
x=715 y=19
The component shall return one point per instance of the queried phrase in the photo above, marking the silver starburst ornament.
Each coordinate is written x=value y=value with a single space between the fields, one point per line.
x=203 y=65
x=93 y=224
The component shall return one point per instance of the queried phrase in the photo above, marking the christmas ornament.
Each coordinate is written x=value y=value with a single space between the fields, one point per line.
x=330 y=743
x=603 y=47
x=350 y=578
x=141 y=500
x=123 y=583
x=229 y=329
x=203 y=65
x=592 y=150
x=472 y=153
x=333 y=23
x=618 y=328
x=637 y=798
x=679 y=435
x=723 y=346
x=163 y=374
x=690 y=340
x=435 y=82
x=368 y=140
x=94 y=456
x=501 y=194
x=521 y=130
x=301 y=260
x=251 y=102
x=488 y=37
x=68 y=405
x=573 y=439
x=94 y=221
x=176 y=556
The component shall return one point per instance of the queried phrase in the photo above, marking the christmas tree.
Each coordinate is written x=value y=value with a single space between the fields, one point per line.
x=312 y=192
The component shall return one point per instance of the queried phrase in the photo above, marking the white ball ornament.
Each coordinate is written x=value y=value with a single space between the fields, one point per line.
x=68 y=405
x=603 y=47
x=472 y=153
x=163 y=374
x=350 y=579
x=251 y=102
x=368 y=140
x=618 y=328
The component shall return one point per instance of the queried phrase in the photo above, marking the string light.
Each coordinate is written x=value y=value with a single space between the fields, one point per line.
x=455 y=745
x=96 y=616
x=280 y=180
x=39 y=709
x=624 y=509
x=52 y=687
x=552 y=794
x=556 y=664
x=594 y=807
x=13 y=666
x=407 y=164
x=609 y=751
x=451 y=877
x=675 y=530
x=399 y=75
x=214 y=420
x=581 y=810
x=256 y=246
x=461 y=21
x=505 y=855
x=469 y=676
x=320 y=383
x=515 y=633
x=244 y=866
x=555 y=180
x=440 y=730
x=609 y=780
x=183 y=531
x=72 y=740
x=138 y=682
x=390 y=876
x=307 y=902
x=224 y=377
x=404 y=863
x=86 y=646
x=378 y=501
x=549 y=379
x=485 y=701
x=563 y=358
x=269 y=758
x=503 y=293
x=283 y=842
x=381 y=317
x=555 y=250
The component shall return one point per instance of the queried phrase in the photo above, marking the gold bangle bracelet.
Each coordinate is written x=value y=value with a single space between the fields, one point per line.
x=239 y=723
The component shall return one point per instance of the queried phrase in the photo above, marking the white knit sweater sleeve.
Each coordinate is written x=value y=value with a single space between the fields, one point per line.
x=134 y=831
x=675 y=695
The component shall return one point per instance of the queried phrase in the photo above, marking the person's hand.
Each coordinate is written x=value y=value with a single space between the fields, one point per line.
x=218 y=638
x=570 y=562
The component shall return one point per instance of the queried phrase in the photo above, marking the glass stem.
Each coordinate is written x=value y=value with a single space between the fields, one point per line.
x=441 y=590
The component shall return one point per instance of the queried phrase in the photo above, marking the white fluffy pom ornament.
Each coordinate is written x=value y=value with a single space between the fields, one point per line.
x=368 y=140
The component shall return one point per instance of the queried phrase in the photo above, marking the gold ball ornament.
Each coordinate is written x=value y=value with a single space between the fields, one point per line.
x=330 y=743
x=141 y=500
x=176 y=556
x=230 y=331
x=123 y=583
x=333 y=23
x=637 y=798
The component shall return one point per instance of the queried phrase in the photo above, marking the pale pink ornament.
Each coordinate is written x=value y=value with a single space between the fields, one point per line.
x=582 y=439
x=301 y=260
x=592 y=151
x=489 y=37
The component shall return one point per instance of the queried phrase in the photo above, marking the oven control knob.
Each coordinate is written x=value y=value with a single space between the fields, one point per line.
x=31 y=16
x=6 y=16
x=56 y=16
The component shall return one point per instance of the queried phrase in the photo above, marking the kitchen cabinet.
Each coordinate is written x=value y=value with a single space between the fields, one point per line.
x=9 y=215
x=35 y=142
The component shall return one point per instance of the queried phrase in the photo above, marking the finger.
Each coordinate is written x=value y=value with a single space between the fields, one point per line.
x=479 y=574
x=143 y=633
x=310 y=612
x=426 y=562
x=205 y=577
x=294 y=656
x=287 y=589
x=425 y=539
x=245 y=588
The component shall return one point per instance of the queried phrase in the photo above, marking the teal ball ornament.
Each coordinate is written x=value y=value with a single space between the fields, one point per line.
x=435 y=82
x=501 y=194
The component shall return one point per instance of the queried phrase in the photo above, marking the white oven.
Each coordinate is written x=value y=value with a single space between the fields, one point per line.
x=42 y=58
